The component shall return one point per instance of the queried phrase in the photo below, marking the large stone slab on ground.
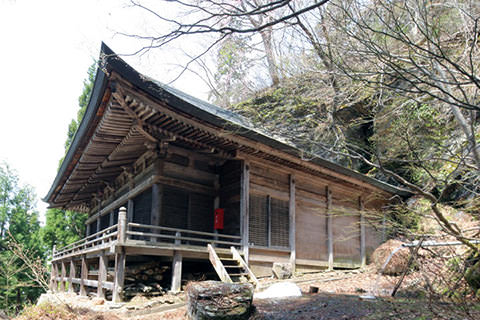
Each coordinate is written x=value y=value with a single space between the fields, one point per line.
x=398 y=261
x=280 y=290
x=282 y=270
x=217 y=300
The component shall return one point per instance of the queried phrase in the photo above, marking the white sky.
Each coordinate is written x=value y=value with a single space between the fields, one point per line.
x=46 y=48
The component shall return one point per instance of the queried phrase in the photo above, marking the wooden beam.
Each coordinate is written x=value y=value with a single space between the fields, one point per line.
x=72 y=275
x=329 y=228
x=133 y=192
x=363 y=253
x=83 y=276
x=292 y=229
x=244 y=206
x=102 y=274
x=176 y=272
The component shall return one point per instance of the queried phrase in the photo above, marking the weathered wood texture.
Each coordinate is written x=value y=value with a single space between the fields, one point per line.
x=346 y=235
x=311 y=223
x=176 y=285
x=218 y=265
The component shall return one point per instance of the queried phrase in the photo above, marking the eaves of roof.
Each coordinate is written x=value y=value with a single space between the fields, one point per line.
x=196 y=108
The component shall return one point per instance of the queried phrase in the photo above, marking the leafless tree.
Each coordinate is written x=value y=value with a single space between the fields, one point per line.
x=426 y=50
x=216 y=21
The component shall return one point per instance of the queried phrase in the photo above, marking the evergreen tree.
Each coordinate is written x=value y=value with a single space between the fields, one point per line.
x=19 y=223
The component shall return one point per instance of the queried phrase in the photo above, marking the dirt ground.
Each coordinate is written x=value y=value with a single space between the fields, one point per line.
x=342 y=294
x=338 y=297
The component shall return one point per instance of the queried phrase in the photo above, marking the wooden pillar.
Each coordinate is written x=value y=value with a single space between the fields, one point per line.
x=102 y=274
x=119 y=276
x=130 y=210
x=244 y=206
x=71 y=276
x=83 y=276
x=87 y=232
x=111 y=222
x=291 y=222
x=98 y=226
x=122 y=226
x=156 y=212
x=216 y=203
x=363 y=253
x=120 y=256
x=64 y=275
x=329 y=227
x=176 y=272
x=157 y=196
x=53 y=278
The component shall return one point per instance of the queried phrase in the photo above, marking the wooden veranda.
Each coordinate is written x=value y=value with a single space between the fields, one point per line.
x=70 y=267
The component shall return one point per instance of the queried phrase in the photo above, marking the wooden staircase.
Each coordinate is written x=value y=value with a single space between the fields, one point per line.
x=231 y=268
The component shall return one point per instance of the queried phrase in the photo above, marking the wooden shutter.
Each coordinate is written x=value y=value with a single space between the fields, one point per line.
x=258 y=220
x=201 y=212
x=143 y=207
x=175 y=208
x=279 y=221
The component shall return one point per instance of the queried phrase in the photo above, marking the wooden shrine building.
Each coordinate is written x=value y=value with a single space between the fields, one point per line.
x=151 y=164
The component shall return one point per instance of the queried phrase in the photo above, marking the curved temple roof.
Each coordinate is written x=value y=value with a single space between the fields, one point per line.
x=105 y=142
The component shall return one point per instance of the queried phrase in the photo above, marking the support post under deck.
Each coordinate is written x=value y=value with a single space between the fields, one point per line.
x=71 y=276
x=176 y=272
x=83 y=276
x=329 y=228
x=64 y=274
x=102 y=274
x=120 y=257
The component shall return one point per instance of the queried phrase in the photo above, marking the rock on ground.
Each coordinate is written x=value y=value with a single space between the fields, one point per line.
x=282 y=270
x=280 y=290
x=3 y=315
x=397 y=263
x=218 y=300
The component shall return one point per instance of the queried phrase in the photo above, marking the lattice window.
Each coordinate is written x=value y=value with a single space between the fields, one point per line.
x=143 y=207
x=279 y=223
x=175 y=208
x=268 y=221
x=258 y=221
x=201 y=212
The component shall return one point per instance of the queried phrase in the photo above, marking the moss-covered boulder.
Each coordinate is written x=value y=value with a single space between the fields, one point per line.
x=472 y=274
x=215 y=300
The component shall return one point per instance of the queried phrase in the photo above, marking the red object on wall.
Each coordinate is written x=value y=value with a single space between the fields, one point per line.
x=218 y=219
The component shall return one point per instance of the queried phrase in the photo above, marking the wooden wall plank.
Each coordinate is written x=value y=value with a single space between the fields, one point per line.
x=292 y=229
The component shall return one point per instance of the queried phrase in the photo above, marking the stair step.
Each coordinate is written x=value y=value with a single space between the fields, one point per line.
x=227 y=259
x=233 y=267
x=237 y=274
